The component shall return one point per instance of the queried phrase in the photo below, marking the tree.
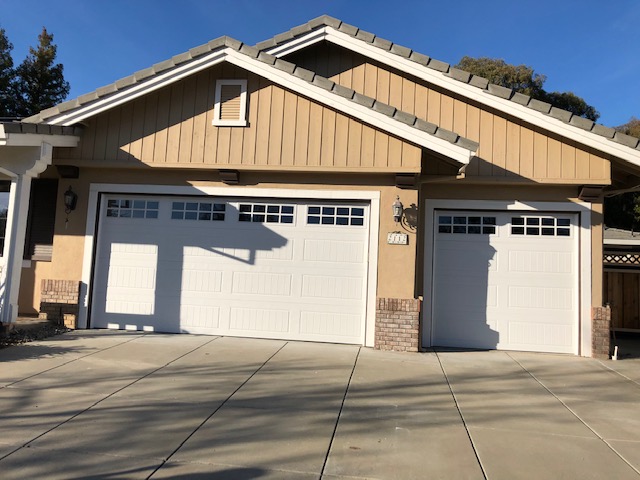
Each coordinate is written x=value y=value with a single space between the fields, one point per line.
x=623 y=211
x=523 y=79
x=571 y=102
x=632 y=127
x=7 y=75
x=40 y=81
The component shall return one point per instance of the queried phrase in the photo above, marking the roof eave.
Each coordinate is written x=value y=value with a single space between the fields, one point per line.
x=441 y=79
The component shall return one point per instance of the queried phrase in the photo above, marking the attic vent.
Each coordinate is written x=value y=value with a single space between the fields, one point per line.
x=230 y=108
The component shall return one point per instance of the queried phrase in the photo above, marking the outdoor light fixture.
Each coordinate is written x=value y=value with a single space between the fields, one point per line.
x=397 y=209
x=70 y=200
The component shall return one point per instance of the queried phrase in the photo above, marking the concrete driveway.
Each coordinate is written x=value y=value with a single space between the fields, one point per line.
x=131 y=405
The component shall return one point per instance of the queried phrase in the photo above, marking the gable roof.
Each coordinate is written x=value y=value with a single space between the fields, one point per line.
x=474 y=87
x=304 y=82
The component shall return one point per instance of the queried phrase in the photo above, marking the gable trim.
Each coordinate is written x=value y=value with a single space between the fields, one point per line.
x=379 y=120
x=137 y=90
x=449 y=144
x=447 y=82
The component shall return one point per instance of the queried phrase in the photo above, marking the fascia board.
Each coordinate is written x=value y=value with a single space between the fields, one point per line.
x=473 y=93
x=139 y=90
x=36 y=140
x=299 y=43
x=615 y=241
x=365 y=114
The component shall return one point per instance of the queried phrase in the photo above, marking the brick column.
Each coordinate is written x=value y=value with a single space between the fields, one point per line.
x=601 y=331
x=59 y=301
x=398 y=324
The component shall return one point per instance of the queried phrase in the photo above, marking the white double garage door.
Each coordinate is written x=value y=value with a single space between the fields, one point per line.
x=504 y=280
x=254 y=267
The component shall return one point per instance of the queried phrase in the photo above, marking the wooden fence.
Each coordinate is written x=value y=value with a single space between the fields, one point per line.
x=621 y=285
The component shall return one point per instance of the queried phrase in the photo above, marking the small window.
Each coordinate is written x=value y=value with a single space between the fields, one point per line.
x=266 y=213
x=472 y=225
x=541 y=226
x=128 y=208
x=230 y=107
x=203 y=211
x=335 y=215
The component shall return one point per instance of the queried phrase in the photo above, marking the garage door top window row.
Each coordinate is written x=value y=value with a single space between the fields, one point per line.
x=326 y=215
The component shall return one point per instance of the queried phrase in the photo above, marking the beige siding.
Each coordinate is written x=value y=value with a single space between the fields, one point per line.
x=173 y=128
x=508 y=148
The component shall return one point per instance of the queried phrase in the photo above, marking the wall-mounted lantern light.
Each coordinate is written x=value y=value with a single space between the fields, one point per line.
x=70 y=201
x=397 y=210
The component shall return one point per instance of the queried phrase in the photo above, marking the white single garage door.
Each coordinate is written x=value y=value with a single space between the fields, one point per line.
x=260 y=267
x=505 y=280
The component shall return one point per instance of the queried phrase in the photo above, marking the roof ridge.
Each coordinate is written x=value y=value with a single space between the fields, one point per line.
x=283 y=65
x=454 y=73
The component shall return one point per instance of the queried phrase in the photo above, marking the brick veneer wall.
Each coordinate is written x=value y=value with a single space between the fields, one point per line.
x=397 y=324
x=601 y=331
x=59 y=298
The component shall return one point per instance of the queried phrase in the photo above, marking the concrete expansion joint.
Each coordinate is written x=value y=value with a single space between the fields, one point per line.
x=464 y=421
x=344 y=399
x=219 y=406
x=573 y=412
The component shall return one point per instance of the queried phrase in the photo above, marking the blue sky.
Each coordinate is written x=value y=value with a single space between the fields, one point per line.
x=589 y=47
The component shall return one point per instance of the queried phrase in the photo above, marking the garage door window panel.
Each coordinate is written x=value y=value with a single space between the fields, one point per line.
x=128 y=208
x=266 y=213
x=541 y=226
x=201 y=211
x=472 y=225
x=335 y=215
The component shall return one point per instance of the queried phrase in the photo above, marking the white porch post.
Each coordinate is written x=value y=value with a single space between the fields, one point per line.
x=14 y=247
x=21 y=165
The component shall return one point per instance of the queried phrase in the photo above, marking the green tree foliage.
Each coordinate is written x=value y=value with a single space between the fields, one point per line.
x=632 y=127
x=523 y=79
x=7 y=75
x=573 y=103
x=623 y=211
x=40 y=81
x=519 y=77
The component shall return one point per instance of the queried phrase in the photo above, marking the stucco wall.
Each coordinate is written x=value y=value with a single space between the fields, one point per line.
x=396 y=276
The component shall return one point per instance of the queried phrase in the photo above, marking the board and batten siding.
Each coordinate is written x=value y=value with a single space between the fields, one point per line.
x=508 y=148
x=173 y=127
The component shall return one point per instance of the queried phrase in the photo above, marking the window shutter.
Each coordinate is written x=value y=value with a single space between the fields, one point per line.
x=42 y=219
x=230 y=96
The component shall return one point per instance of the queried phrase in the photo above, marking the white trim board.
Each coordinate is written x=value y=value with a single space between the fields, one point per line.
x=441 y=80
x=583 y=209
x=96 y=189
